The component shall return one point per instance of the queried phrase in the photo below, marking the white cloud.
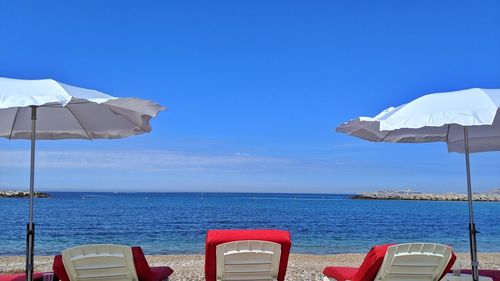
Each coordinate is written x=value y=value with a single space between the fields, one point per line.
x=142 y=160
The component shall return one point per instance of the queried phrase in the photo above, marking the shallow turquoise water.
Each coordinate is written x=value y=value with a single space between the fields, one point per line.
x=171 y=223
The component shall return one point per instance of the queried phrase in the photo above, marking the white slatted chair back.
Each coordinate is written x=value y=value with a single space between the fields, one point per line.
x=100 y=262
x=250 y=260
x=414 y=262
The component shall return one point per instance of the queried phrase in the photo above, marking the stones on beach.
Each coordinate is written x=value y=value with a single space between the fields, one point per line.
x=301 y=267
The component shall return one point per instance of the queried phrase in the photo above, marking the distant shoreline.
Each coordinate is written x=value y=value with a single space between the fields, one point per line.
x=403 y=195
x=492 y=196
x=21 y=194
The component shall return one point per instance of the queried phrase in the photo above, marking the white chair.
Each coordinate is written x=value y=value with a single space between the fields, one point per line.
x=248 y=260
x=414 y=261
x=403 y=262
x=100 y=262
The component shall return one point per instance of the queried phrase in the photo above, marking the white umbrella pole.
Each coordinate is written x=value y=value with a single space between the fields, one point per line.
x=472 y=226
x=30 y=235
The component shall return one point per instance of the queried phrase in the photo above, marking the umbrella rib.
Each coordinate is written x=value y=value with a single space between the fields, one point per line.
x=131 y=121
x=127 y=118
x=13 y=124
x=447 y=132
x=383 y=139
x=80 y=123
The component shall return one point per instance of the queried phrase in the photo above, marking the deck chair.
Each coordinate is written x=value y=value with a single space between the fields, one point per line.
x=403 y=262
x=251 y=255
x=105 y=262
x=248 y=260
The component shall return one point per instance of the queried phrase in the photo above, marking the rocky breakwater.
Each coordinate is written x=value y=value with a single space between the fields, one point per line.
x=490 y=196
x=21 y=194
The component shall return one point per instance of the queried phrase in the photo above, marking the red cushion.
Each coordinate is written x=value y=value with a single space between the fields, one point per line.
x=217 y=237
x=37 y=276
x=366 y=272
x=59 y=270
x=371 y=264
x=144 y=272
x=161 y=272
x=494 y=274
x=340 y=273
x=453 y=258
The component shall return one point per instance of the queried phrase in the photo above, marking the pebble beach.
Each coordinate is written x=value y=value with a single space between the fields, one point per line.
x=190 y=267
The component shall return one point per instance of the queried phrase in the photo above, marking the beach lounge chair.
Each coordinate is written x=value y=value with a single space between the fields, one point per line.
x=106 y=262
x=411 y=261
x=246 y=255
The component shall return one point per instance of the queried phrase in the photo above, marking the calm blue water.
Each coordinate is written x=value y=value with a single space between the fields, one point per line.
x=171 y=223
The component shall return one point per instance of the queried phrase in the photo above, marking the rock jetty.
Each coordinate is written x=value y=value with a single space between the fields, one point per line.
x=490 y=196
x=21 y=194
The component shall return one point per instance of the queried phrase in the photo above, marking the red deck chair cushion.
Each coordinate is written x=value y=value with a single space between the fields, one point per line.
x=59 y=270
x=37 y=276
x=366 y=272
x=217 y=237
x=370 y=266
x=144 y=272
x=494 y=274
x=450 y=264
x=340 y=273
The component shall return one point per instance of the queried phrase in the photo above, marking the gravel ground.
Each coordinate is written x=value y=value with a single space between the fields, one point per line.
x=300 y=267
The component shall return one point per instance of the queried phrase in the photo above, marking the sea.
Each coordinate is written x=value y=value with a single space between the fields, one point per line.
x=176 y=223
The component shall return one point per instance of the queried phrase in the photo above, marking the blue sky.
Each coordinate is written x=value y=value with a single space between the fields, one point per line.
x=254 y=90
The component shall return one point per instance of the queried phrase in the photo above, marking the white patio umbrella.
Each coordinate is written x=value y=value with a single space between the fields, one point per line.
x=49 y=110
x=468 y=121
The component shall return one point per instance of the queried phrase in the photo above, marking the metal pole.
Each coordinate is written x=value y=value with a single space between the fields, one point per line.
x=30 y=235
x=472 y=226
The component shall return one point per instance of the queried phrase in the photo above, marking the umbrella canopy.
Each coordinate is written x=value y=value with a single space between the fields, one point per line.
x=68 y=112
x=49 y=110
x=467 y=120
x=439 y=117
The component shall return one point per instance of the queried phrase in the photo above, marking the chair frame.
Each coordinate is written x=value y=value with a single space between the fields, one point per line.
x=100 y=262
x=239 y=259
x=408 y=256
x=401 y=260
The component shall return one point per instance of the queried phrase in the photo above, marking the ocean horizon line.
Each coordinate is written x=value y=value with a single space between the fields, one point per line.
x=183 y=192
